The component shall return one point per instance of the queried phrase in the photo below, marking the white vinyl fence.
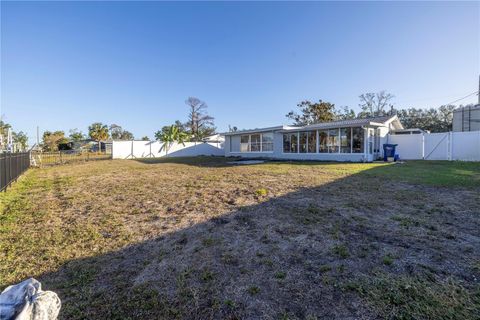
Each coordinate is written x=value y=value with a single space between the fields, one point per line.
x=156 y=149
x=463 y=146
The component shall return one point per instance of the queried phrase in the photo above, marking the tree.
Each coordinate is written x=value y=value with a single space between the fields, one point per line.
x=21 y=139
x=51 y=140
x=4 y=127
x=434 y=120
x=145 y=138
x=171 y=135
x=98 y=132
x=312 y=112
x=115 y=131
x=200 y=124
x=345 y=114
x=445 y=117
x=76 y=135
x=118 y=133
x=374 y=104
x=166 y=129
x=126 y=135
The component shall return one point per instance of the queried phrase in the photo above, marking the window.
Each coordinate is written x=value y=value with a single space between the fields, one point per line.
x=293 y=143
x=346 y=140
x=267 y=141
x=322 y=137
x=290 y=143
x=245 y=143
x=312 y=142
x=332 y=141
x=255 y=143
x=286 y=143
x=357 y=140
x=303 y=142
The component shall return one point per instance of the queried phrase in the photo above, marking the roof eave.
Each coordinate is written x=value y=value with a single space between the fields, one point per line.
x=234 y=133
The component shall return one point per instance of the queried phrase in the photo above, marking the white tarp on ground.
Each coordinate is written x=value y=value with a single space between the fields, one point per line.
x=156 y=149
x=27 y=301
x=464 y=146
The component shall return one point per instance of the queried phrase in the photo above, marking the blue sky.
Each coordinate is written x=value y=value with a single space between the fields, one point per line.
x=67 y=64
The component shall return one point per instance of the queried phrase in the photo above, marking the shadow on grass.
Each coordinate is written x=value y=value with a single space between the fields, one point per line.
x=357 y=247
x=208 y=161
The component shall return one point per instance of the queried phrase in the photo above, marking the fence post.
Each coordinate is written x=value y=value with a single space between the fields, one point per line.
x=449 y=146
x=423 y=146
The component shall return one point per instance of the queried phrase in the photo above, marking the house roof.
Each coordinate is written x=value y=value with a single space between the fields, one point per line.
x=214 y=138
x=256 y=130
x=372 y=122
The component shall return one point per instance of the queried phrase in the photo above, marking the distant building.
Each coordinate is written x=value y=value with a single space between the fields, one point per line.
x=466 y=118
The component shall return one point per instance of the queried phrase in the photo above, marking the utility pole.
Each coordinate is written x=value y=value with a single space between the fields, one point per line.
x=38 y=137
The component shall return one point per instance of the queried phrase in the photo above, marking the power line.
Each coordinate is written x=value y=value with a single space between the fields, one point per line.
x=471 y=94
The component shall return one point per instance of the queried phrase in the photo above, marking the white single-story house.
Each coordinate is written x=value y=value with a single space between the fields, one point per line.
x=356 y=140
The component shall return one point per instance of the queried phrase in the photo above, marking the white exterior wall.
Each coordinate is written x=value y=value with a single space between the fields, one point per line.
x=233 y=143
x=153 y=149
x=383 y=136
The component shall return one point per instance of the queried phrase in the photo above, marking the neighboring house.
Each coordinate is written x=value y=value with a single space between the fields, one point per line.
x=86 y=145
x=215 y=139
x=466 y=118
x=356 y=140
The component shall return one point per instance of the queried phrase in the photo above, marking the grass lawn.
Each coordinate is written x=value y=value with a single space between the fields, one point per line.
x=201 y=239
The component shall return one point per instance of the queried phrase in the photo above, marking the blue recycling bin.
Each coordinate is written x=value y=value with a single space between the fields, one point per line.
x=389 y=151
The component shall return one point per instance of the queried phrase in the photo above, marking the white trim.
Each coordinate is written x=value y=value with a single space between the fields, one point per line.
x=328 y=135
x=250 y=143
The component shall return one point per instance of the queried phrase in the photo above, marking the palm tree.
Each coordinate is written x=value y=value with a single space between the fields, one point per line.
x=171 y=135
x=98 y=132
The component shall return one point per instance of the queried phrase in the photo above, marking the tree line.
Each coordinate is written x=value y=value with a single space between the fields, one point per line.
x=19 y=138
x=197 y=126
x=375 y=104
x=97 y=131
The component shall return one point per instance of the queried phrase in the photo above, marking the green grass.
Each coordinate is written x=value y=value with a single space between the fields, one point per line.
x=253 y=290
x=434 y=173
x=388 y=260
x=414 y=298
x=262 y=192
x=341 y=250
